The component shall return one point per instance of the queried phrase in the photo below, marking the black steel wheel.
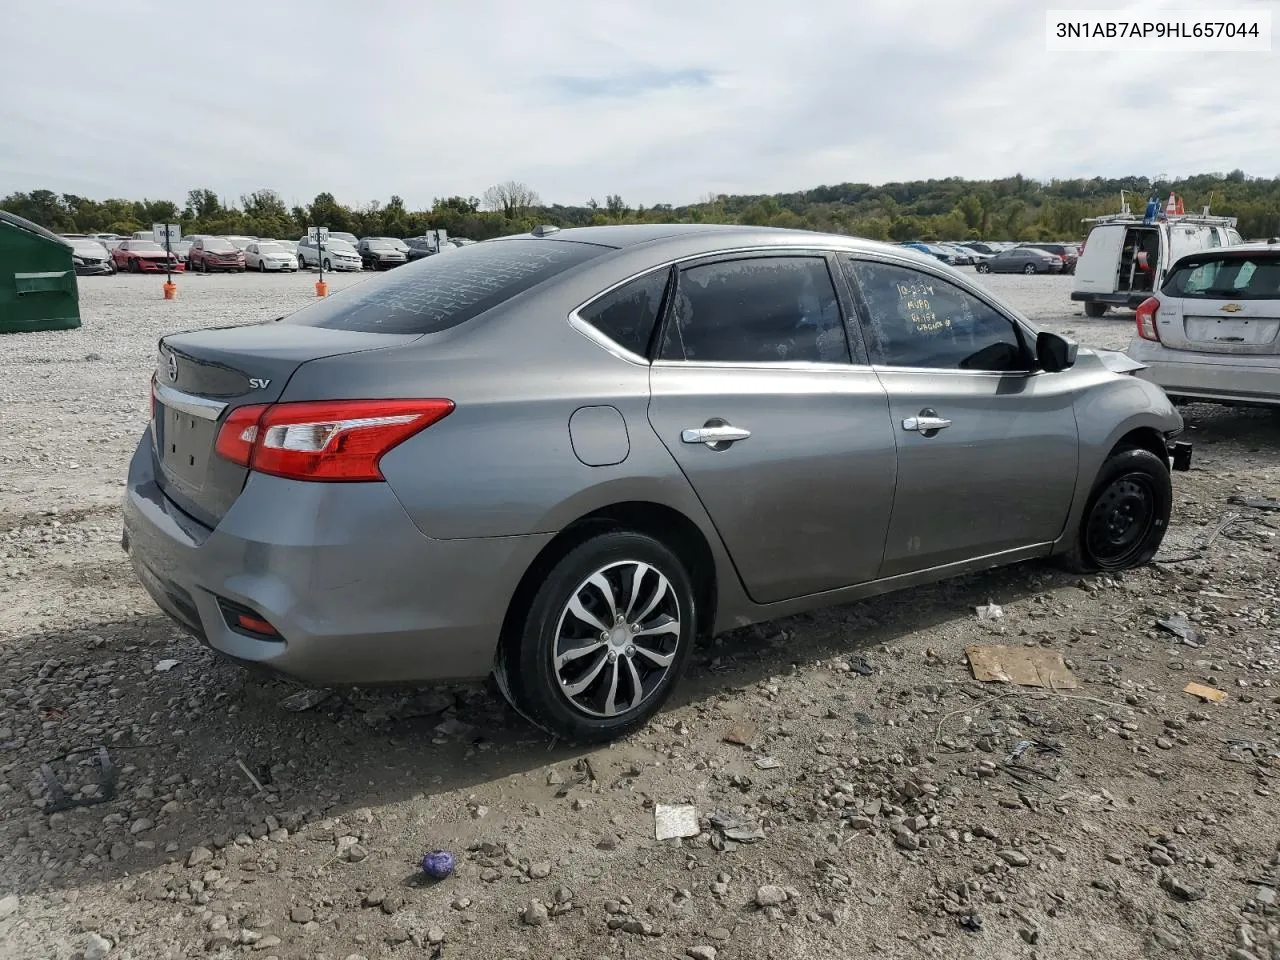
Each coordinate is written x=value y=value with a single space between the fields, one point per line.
x=1126 y=516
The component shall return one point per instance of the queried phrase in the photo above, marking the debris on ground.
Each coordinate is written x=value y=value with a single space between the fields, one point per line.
x=438 y=864
x=1256 y=503
x=741 y=733
x=164 y=666
x=1023 y=666
x=1211 y=694
x=989 y=611
x=672 y=822
x=1181 y=627
x=305 y=700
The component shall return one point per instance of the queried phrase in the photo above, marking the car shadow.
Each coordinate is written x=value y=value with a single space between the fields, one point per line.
x=222 y=727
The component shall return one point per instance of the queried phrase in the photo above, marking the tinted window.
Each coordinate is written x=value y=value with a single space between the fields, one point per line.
x=918 y=320
x=436 y=293
x=1236 y=278
x=762 y=310
x=627 y=315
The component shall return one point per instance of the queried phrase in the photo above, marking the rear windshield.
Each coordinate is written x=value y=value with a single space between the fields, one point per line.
x=437 y=293
x=1227 y=278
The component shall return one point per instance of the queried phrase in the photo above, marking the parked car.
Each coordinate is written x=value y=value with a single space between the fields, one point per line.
x=378 y=253
x=108 y=240
x=1069 y=252
x=1022 y=260
x=932 y=250
x=336 y=255
x=215 y=253
x=984 y=249
x=1124 y=258
x=144 y=256
x=240 y=242
x=429 y=244
x=339 y=504
x=960 y=256
x=1212 y=331
x=89 y=257
x=264 y=255
x=348 y=238
x=181 y=249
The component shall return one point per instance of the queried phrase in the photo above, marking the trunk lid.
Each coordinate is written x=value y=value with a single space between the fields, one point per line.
x=203 y=375
x=1223 y=303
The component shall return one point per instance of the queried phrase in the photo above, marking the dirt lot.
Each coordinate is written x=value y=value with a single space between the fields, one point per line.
x=881 y=802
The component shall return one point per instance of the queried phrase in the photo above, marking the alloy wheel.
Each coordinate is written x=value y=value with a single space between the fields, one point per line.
x=616 y=638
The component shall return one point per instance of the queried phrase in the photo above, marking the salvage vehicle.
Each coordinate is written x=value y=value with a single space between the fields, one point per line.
x=145 y=256
x=1125 y=257
x=265 y=255
x=89 y=257
x=215 y=253
x=561 y=457
x=1212 y=331
x=1028 y=260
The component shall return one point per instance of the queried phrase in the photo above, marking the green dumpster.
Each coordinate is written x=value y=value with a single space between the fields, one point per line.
x=37 y=279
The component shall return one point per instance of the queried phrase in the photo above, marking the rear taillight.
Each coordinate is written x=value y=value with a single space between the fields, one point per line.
x=1146 y=319
x=328 y=440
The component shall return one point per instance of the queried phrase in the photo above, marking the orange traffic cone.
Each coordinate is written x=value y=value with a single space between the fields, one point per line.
x=1171 y=208
x=1180 y=210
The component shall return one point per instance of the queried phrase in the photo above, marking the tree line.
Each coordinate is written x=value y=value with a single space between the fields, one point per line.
x=1013 y=208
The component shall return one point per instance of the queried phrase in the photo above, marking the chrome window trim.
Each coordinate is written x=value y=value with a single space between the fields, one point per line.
x=577 y=322
x=188 y=403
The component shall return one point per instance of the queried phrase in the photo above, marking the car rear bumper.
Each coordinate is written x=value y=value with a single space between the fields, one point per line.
x=1254 y=381
x=355 y=591
x=1111 y=299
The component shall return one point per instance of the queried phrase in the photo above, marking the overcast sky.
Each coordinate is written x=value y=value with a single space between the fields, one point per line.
x=658 y=101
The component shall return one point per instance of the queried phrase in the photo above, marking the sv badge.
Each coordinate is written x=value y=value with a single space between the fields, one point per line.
x=257 y=384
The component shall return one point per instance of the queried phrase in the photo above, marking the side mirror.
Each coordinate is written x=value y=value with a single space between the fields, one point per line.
x=1055 y=353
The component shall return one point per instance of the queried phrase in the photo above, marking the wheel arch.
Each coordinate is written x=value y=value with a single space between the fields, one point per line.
x=665 y=524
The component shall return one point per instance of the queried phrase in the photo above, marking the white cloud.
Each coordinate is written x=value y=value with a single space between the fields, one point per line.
x=656 y=100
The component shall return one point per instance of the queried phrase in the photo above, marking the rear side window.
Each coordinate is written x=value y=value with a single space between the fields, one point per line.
x=759 y=310
x=627 y=315
x=436 y=293
x=1235 y=278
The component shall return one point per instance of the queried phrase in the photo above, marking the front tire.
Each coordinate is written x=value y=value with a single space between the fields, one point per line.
x=603 y=640
x=327 y=265
x=1029 y=269
x=983 y=268
x=262 y=266
x=1094 y=310
x=1126 y=516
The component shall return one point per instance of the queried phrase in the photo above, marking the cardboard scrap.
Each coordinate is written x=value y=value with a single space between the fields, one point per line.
x=1203 y=692
x=670 y=822
x=1025 y=666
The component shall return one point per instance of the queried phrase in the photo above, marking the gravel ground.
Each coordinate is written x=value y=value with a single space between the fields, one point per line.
x=872 y=804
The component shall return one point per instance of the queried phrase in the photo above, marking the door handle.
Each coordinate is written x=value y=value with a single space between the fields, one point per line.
x=925 y=424
x=714 y=435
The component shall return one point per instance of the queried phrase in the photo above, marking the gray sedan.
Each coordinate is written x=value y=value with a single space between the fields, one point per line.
x=1023 y=260
x=563 y=457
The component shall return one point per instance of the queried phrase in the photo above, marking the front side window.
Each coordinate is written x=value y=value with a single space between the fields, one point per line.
x=757 y=310
x=915 y=319
x=1227 y=277
x=628 y=315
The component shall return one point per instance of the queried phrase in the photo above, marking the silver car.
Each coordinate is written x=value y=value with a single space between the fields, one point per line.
x=1212 y=332
x=563 y=457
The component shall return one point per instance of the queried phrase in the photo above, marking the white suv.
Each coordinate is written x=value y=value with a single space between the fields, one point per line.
x=337 y=255
x=1212 y=332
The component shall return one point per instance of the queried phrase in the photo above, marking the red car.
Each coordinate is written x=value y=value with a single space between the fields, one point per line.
x=144 y=256
x=215 y=253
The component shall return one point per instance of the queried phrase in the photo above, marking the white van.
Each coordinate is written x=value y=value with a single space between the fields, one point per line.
x=1124 y=258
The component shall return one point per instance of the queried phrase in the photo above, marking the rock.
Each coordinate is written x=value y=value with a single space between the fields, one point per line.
x=198 y=856
x=534 y=914
x=374 y=897
x=770 y=896
x=302 y=914
x=8 y=906
x=719 y=934
x=355 y=853
x=391 y=903
x=701 y=953
x=1181 y=891
x=1164 y=744
x=96 y=947
x=1160 y=858
x=141 y=825
x=1166 y=939
x=1239 y=953
x=489 y=875
x=540 y=870
x=1014 y=858
x=435 y=935
x=1030 y=935
x=905 y=839
x=267 y=942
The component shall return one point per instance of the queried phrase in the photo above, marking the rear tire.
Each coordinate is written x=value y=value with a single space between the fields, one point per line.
x=983 y=268
x=1029 y=269
x=620 y=668
x=262 y=266
x=1126 y=515
x=1094 y=310
x=327 y=265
